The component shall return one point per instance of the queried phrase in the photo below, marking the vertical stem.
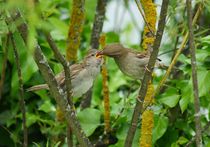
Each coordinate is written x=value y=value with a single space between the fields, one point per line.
x=194 y=76
x=4 y=65
x=105 y=89
x=69 y=136
x=75 y=29
x=98 y=23
x=163 y=80
x=95 y=35
x=73 y=40
x=148 y=41
x=22 y=102
x=147 y=75
x=67 y=71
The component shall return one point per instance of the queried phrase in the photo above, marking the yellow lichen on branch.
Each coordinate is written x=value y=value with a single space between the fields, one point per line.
x=75 y=29
x=148 y=41
x=150 y=15
x=104 y=73
x=147 y=126
x=73 y=40
x=147 y=118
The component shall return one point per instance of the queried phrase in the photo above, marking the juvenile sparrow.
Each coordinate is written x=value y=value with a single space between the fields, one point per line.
x=82 y=75
x=130 y=62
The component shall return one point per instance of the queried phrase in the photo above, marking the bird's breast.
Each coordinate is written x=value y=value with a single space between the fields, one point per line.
x=82 y=83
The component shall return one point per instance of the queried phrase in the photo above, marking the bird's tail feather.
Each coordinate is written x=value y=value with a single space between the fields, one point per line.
x=37 y=87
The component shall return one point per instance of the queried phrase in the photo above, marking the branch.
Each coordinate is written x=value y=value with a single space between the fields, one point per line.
x=95 y=35
x=193 y=138
x=144 y=18
x=4 y=65
x=147 y=75
x=194 y=76
x=67 y=71
x=177 y=53
x=60 y=97
x=22 y=101
x=98 y=23
x=75 y=29
x=56 y=92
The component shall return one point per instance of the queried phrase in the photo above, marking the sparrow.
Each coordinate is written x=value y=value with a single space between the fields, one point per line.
x=130 y=62
x=83 y=75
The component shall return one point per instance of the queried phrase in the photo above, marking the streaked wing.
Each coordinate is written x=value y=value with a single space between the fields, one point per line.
x=74 y=69
x=142 y=54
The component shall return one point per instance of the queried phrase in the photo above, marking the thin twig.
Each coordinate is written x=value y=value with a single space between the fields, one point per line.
x=56 y=92
x=60 y=98
x=4 y=65
x=98 y=23
x=22 y=101
x=147 y=75
x=143 y=16
x=10 y=133
x=75 y=29
x=67 y=72
x=65 y=65
x=69 y=136
x=173 y=62
x=94 y=42
x=206 y=127
x=194 y=76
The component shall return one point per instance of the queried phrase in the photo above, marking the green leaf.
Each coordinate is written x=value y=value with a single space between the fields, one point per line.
x=89 y=119
x=60 y=30
x=186 y=90
x=182 y=140
x=161 y=124
x=184 y=103
x=47 y=107
x=31 y=119
x=27 y=63
x=203 y=82
x=170 y=97
x=6 y=116
x=203 y=87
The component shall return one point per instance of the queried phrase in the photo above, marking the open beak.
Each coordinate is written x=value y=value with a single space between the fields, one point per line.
x=99 y=54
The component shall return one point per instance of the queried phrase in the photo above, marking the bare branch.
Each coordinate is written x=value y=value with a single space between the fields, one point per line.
x=95 y=35
x=193 y=138
x=57 y=92
x=160 y=85
x=98 y=23
x=194 y=76
x=147 y=75
x=65 y=64
x=4 y=65
x=60 y=98
x=22 y=101
x=144 y=18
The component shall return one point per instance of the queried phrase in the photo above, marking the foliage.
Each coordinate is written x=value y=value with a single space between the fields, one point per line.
x=174 y=111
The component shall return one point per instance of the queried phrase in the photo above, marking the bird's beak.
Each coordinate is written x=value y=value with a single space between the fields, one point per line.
x=99 y=54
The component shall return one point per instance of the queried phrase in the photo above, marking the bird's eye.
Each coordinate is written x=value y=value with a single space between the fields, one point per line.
x=92 y=54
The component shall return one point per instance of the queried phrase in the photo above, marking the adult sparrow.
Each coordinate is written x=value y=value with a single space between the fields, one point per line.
x=82 y=75
x=130 y=62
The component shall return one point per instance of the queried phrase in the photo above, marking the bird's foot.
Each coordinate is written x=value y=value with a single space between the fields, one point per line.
x=146 y=68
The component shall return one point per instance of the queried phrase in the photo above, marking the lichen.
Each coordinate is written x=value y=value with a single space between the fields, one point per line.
x=75 y=29
x=150 y=15
x=104 y=73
